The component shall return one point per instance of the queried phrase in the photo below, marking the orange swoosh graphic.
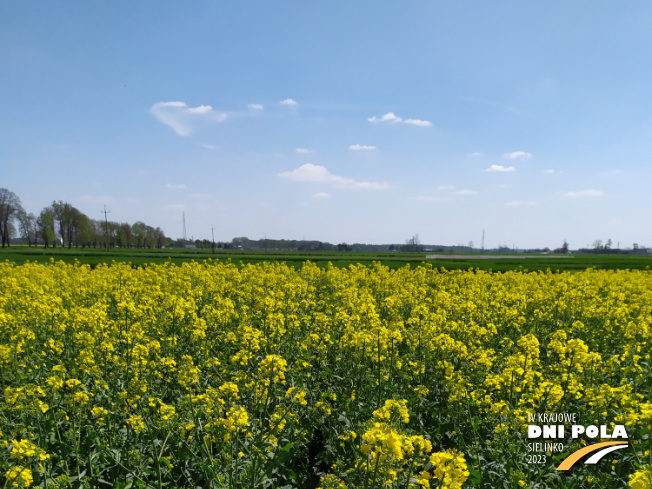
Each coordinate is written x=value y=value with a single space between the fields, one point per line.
x=575 y=456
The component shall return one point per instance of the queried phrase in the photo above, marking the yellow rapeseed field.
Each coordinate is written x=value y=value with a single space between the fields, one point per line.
x=221 y=376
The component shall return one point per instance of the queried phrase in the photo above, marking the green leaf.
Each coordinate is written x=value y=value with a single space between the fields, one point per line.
x=166 y=462
x=476 y=477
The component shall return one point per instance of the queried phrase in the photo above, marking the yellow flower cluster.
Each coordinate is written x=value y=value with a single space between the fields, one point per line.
x=19 y=476
x=450 y=468
x=24 y=449
x=393 y=411
x=240 y=375
x=641 y=479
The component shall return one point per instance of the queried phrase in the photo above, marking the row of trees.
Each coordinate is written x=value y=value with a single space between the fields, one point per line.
x=63 y=223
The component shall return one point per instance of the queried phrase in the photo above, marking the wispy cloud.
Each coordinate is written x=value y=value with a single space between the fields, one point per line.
x=321 y=196
x=500 y=168
x=393 y=118
x=302 y=150
x=475 y=154
x=182 y=118
x=417 y=122
x=361 y=147
x=517 y=155
x=289 y=101
x=465 y=191
x=319 y=174
x=585 y=193
x=255 y=107
x=445 y=187
x=209 y=146
x=176 y=185
x=548 y=172
x=518 y=203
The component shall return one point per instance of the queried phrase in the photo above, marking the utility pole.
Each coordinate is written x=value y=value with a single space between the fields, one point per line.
x=483 y=239
x=184 y=226
x=213 y=245
x=106 y=225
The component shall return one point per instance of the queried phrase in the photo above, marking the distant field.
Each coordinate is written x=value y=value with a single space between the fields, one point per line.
x=22 y=254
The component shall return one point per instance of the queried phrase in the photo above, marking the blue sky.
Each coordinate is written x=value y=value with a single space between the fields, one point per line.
x=363 y=121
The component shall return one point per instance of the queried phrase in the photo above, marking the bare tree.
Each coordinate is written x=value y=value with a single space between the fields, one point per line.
x=26 y=227
x=413 y=244
x=9 y=209
x=98 y=232
x=64 y=214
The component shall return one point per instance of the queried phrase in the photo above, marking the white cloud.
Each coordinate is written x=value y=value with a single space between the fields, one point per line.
x=465 y=192
x=585 y=193
x=393 y=118
x=517 y=203
x=361 y=147
x=175 y=185
x=517 y=155
x=288 y=101
x=202 y=109
x=181 y=118
x=255 y=107
x=319 y=174
x=500 y=168
x=548 y=172
x=417 y=122
x=302 y=150
x=446 y=187
x=475 y=154
x=389 y=117
x=321 y=196
x=209 y=146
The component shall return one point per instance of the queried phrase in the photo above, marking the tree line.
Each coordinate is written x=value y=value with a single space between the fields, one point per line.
x=62 y=223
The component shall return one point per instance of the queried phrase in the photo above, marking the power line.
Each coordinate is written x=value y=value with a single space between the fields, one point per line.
x=106 y=225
